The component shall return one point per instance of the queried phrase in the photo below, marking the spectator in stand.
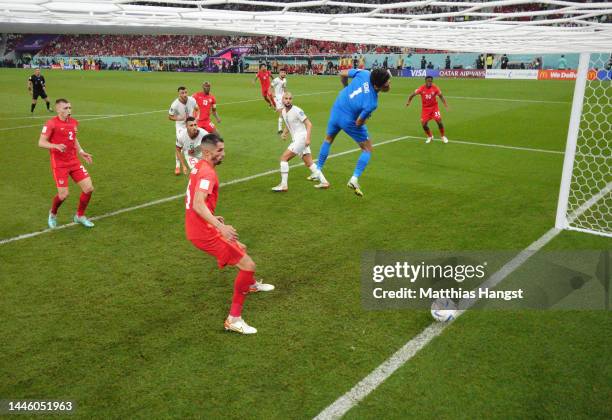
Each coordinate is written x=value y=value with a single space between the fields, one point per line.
x=504 y=61
x=562 y=64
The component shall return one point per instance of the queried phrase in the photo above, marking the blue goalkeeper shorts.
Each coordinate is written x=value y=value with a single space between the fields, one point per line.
x=340 y=121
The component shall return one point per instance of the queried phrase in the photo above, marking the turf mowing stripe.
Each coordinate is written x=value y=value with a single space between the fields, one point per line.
x=270 y=172
x=368 y=384
x=175 y=197
x=104 y=117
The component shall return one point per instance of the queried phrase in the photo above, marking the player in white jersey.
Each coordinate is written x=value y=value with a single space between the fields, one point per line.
x=300 y=127
x=188 y=143
x=183 y=107
x=279 y=84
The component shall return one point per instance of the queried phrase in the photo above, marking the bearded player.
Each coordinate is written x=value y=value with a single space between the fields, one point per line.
x=59 y=135
x=300 y=127
x=279 y=84
x=182 y=107
x=430 y=110
x=264 y=76
x=188 y=143
x=353 y=106
x=207 y=103
x=210 y=234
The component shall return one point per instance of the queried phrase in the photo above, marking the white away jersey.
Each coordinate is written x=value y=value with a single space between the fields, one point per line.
x=279 y=86
x=294 y=120
x=190 y=147
x=179 y=109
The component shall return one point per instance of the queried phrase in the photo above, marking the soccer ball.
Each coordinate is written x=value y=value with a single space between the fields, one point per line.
x=443 y=310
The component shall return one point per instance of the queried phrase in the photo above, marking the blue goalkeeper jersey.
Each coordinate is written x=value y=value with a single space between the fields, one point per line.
x=358 y=99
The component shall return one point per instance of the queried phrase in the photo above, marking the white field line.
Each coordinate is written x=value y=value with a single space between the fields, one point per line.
x=476 y=98
x=248 y=178
x=175 y=197
x=46 y=117
x=368 y=384
x=104 y=117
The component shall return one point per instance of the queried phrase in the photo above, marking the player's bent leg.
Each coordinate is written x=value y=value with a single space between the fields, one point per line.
x=284 y=171
x=362 y=163
x=60 y=197
x=86 y=191
x=441 y=128
x=427 y=131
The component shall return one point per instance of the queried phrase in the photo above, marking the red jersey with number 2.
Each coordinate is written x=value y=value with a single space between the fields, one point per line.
x=202 y=178
x=428 y=96
x=62 y=132
x=205 y=103
x=264 y=79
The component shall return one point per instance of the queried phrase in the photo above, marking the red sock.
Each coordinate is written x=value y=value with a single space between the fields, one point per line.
x=442 y=131
x=56 y=204
x=83 y=201
x=241 y=288
x=272 y=101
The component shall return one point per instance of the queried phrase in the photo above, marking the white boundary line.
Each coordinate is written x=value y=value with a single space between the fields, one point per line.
x=248 y=178
x=476 y=98
x=104 y=117
x=368 y=384
x=37 y=117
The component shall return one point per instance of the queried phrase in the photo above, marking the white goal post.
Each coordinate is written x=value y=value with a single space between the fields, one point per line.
x=585 y=196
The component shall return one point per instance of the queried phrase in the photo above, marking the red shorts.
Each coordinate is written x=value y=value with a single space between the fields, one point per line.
x=206 y=125
x=226 y=253
x=430 y=114
x=76 y=171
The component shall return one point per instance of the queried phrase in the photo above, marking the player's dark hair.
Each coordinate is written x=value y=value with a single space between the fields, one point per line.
x=429 y=77
x=379 y=77
x=61 y=101
x=181 y=88
x=189 y=119
x=211 y=139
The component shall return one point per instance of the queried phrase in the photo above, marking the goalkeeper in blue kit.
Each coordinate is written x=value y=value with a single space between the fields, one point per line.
x=353 y=106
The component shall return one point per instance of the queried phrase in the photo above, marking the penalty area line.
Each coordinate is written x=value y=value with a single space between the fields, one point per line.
x=368 y=384
x=176 y=197
x=266 y=173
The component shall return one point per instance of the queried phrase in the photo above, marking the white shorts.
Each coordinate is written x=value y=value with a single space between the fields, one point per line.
x=298 y=146
x=192 y=161
x=279 y=102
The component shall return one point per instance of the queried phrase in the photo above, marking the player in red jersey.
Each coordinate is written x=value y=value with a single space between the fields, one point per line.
x=430 y=111
x=207 y=103
x=59 y=135
x=264 y=77
x=210 y=233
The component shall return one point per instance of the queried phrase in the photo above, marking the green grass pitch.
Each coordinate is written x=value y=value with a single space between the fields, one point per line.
x=126 y=318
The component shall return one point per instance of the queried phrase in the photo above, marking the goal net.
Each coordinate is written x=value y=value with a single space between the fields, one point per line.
x=585 y=200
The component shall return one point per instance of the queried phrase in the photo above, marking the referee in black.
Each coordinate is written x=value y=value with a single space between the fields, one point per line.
x=36 y=85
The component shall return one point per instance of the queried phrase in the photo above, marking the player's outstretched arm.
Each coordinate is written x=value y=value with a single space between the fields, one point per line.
x=344 y=77
x=181 y=158
x=443 y=101
x=87 y=156
x=412 y=95
x=199 y=206
x=308 y=125
x=43 y=141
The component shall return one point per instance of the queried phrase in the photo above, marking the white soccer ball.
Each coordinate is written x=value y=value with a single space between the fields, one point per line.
x=443 y=310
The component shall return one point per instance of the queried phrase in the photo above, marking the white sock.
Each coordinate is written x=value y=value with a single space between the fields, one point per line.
x=178 y=162
x=354 y=180
x=313 y=168
x=284 y=169
x=280 y=123
x=321 y=177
